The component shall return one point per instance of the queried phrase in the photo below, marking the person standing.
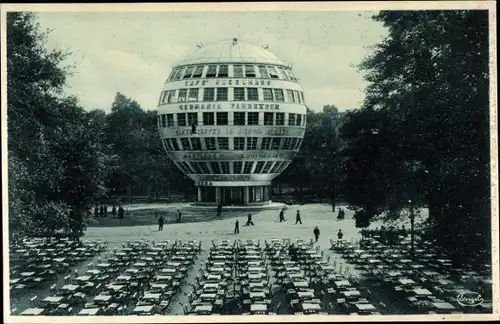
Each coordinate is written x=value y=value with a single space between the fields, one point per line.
x=113 y=211
x=105 y=211
x=101 y=211
x=282 y=215
x=316 y=233
x=121 y=212
x=340 y=235
x=237 y=227
x=96 y=211
x=179 y=216
x=249 y=220
x=297 y=218
x=160 y=222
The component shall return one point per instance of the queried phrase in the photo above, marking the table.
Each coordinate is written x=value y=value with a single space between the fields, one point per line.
x=69 y=287
x=406 y=281
x=103 y=265
x=342 y=283
x=444 y=306
x=255 y=269
x=300 y=284
x=208 y=296
x=168 y=270
x=27 y=274
x=366 y=307
x=32 y=311
x=422 y=292
x=210 y=286
x=255 y=295
x=305 y=294
x=103 y=298
x=310 y=307
x=203 y=309
x=143 y=309
x=53 y=299
x=83 y=278
x=258 y=307
x=351 y=293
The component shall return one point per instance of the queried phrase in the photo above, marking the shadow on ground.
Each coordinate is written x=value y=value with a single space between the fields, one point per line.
x=150 y=217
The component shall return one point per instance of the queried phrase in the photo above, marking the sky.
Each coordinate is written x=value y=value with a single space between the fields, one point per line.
x=133 y=52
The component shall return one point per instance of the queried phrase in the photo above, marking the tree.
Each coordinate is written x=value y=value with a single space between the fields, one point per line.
x=55 y=170
x=430 y=77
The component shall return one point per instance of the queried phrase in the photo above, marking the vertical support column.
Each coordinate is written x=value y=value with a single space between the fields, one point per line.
x=247 y=195
x=217 y=195
x=199 y=194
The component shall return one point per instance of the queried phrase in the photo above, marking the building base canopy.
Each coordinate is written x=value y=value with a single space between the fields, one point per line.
x=243 y=195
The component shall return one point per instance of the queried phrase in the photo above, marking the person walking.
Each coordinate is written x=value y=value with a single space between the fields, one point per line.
x=160 y=222
x=316 y=233
x=339 y=214
x=96 y=211
x=105 y=211
x=249 y=220
x=113 y=211
x=297 y=218
x=237 y=227
x=340 y=235
x=101 y=211
x=282 y=215
x=179 y=216
x=121 y=212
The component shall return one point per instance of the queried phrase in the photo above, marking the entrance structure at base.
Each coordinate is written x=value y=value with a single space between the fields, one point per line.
x=232 y=116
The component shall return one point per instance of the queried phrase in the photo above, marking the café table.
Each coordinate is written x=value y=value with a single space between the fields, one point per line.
x=310 y=307
x=342 y=283
x=123 y=278
x=33 y=311
x=255 y=269
x=27 y=274
x=443 y=306
x=83 y=278
x=305 y=294
x=257 y=295
x=14 y=281
x=69 y=288
x=53 y=299
x=258 y=308
x=422 y=292
x=300 y=284
x=210 y=286
x=143 y=309
x=406 y=281
x=151 y=296
x=208 y=296
x=362 y=307
x=102 y=298
x=103 y=265
x=351 y=293
x=203 y=309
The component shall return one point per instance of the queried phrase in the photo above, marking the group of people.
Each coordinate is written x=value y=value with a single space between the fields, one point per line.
x=341 y=214
x=102 y=211
x=161 y=220
x=298 y=219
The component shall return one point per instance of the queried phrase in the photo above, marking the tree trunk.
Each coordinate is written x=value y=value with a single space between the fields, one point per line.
x=129 y=193
x=333 y=196
x=301 y=196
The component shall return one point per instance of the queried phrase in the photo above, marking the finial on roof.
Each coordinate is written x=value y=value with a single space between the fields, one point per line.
x=199 y=45
x=265 y=47
x=235 y=41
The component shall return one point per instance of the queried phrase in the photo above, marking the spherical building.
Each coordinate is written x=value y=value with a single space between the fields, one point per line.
x=232 y=117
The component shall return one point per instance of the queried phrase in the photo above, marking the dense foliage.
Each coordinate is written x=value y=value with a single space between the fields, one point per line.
x=429 y=100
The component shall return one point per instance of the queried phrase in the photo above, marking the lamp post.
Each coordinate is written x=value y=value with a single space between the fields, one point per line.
x=412 y=223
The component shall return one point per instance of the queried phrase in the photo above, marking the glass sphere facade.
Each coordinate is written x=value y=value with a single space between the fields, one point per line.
x=232 y=117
